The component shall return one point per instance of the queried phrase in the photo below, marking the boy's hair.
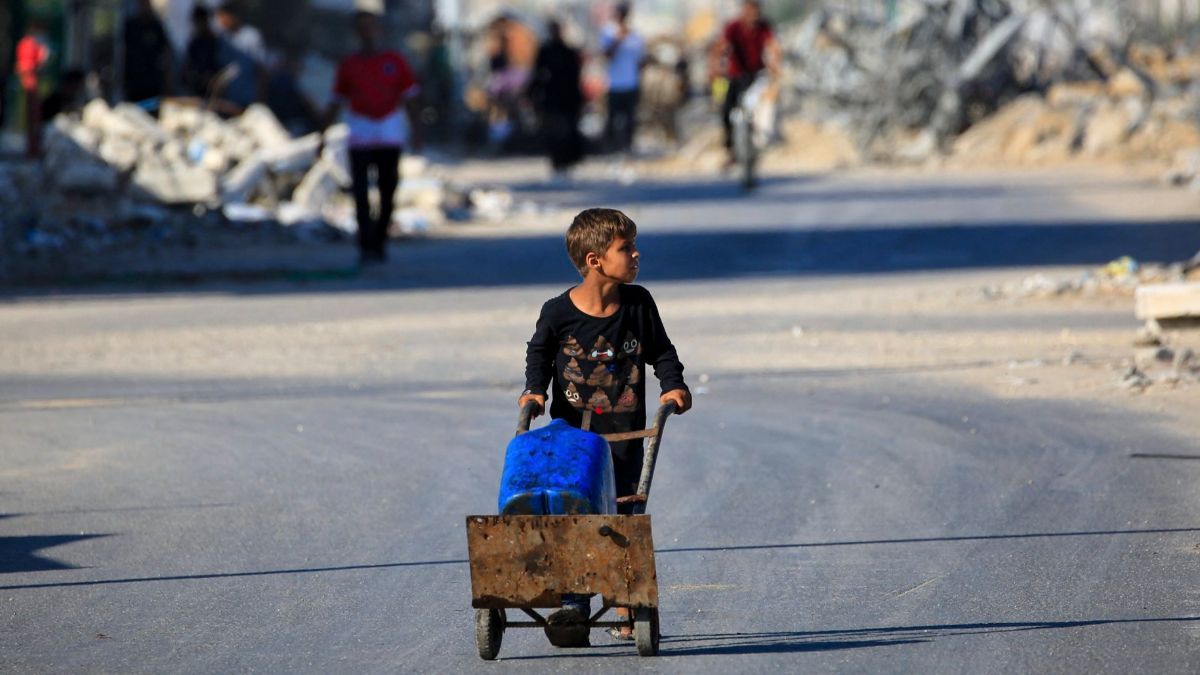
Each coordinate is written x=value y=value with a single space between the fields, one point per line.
x=593 y=231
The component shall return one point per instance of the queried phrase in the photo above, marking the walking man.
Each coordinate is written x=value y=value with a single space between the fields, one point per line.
x=624 y=49
x=377 y=88
x=33 y=54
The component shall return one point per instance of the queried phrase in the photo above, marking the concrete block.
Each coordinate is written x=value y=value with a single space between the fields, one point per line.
x=142 y=122
x=294 y=156
x=260 y=123
x=1167 y=301
x=119 y=153
x=239 y=184
x=175 y=183
x=318 y=186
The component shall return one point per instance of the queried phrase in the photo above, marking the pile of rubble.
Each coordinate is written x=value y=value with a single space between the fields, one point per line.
x=190 y=156
x=1028 y=82
x=114 y=179
x=1119 y=277
x=1156 y=364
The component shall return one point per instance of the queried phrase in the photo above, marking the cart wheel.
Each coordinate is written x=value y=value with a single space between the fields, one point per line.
x=645 y=631
x=489 y=631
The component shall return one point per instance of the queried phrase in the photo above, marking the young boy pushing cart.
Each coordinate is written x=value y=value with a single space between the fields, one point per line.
x=591 y=346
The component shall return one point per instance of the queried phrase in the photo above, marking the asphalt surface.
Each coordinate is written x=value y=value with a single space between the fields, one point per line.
x=214 y=479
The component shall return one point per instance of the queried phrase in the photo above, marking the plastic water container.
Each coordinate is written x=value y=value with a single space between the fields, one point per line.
x=557 y=470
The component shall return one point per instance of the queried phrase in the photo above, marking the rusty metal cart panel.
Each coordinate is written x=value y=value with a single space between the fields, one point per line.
x=530 y=561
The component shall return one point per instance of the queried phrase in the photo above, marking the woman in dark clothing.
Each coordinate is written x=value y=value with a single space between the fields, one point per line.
x=554 y=92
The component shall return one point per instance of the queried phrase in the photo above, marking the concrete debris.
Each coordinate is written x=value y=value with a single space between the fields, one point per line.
x=979 y=81
x=174 y=184
x=1123 y=276
x=1161 y=366
x=1135 y=379
x=115 y=176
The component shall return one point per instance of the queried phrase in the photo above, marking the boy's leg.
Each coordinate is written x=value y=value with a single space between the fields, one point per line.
x=627 y=470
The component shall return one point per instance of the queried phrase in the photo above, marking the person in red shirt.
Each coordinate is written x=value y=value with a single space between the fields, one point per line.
x=376 y=88
x=748 y=46
x=32 y=56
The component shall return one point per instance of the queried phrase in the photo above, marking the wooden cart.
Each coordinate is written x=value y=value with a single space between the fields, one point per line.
x=527 y=563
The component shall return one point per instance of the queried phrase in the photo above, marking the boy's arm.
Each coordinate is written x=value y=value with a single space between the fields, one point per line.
x=539 y=362
x=667 y=367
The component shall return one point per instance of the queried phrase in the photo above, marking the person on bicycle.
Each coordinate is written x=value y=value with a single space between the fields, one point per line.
x=747 y=46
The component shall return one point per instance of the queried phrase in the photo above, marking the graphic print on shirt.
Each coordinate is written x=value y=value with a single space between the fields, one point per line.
x=599 y=402
x=573 y=373
x=571 y=347
x=602 y=374
x=573 y=396
x=627 y=402
x=602 y=351
x=630 y=345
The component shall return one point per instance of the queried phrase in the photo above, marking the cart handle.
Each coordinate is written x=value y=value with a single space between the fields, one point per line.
x=526 y=416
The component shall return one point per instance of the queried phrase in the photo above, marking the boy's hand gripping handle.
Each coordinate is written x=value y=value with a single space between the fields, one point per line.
x=527 y=411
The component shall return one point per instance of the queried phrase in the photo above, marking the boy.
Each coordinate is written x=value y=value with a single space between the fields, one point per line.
x=593 y=343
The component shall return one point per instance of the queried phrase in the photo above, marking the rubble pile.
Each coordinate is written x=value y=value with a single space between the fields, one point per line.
x=116 y=179
x=1160 y=365
x=191 y=156
x=1028 y=82
x=1119 y=277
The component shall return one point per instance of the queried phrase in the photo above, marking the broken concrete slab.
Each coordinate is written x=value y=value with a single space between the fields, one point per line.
x=294 y=156
x=1167 y=301
x=260 y=124
x=119 y=153
x=238 y=185
x=318 y=186
x=175 y=183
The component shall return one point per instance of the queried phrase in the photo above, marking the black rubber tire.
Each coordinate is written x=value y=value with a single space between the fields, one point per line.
x=489 y=632
x=646 y=631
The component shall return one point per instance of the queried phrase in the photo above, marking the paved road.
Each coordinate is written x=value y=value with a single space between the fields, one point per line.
x=273 y=477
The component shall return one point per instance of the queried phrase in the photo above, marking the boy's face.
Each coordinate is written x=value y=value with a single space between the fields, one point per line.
x=620 y=261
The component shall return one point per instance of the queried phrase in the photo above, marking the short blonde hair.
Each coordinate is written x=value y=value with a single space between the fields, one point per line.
x=593 y=231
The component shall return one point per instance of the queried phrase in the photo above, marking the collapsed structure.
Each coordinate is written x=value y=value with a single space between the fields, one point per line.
x=996 y=81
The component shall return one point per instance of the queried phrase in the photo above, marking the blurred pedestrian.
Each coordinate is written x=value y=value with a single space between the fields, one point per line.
x=242 y=58
x=624 y=50
x=377 y=88
x=66 y=97
x=201 y=58
x=747 y=46
x=6 y=64
x=148 y=56
x=33 y=54
x=556 y=96
x=290 y=104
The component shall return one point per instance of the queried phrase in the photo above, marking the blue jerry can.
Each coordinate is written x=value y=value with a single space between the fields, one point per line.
x=557 y=470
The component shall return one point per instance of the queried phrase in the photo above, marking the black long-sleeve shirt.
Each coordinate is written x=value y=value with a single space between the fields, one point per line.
x=599 y=363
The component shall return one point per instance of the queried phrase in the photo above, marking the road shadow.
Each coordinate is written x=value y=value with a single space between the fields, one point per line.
x=226 y=575
x=20 y=554
x=856 y=638
x=927 y=540
x=734 y=252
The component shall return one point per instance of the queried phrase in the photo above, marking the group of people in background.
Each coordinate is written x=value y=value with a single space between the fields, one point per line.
x=225 y=63
x=745 y=48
